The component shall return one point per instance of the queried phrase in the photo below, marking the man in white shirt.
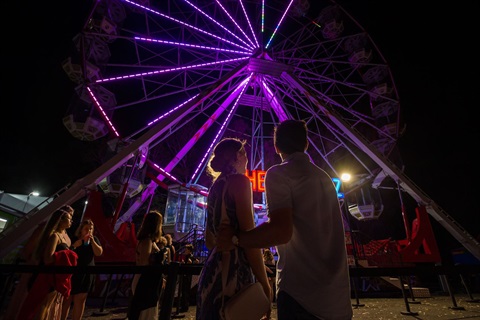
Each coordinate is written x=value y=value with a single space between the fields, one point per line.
x=306 y=226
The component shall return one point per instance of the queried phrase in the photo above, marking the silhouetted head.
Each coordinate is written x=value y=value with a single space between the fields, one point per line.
x=291 y=136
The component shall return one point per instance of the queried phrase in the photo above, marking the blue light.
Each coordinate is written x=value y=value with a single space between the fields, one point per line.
x=338 y=184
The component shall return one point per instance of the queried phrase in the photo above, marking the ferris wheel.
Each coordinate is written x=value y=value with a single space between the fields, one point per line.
x=261 y=62
x=166 y=79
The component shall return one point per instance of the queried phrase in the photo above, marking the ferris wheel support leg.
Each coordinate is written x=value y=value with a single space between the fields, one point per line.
x=467 y=240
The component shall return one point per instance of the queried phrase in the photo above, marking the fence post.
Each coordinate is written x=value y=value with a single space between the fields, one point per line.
x=167 y=301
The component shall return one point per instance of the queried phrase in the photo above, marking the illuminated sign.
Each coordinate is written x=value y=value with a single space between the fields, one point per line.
x=257 y=178
x=338 y=183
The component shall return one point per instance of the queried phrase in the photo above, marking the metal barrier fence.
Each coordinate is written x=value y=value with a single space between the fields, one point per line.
x=176 y=269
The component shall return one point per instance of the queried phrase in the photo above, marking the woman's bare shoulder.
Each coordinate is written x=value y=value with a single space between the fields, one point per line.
x=238 y=178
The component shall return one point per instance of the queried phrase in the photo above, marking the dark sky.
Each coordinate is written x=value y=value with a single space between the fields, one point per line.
x=430 y=49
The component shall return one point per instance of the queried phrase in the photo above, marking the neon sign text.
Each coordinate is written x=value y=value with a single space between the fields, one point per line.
x=257 y=178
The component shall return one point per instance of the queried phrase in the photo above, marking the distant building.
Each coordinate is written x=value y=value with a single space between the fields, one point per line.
x=15 y=206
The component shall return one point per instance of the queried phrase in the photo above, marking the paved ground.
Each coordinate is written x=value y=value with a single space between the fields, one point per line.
x=435 y=307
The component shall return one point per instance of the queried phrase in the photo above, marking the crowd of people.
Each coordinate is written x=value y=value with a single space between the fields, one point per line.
x=305 y=285
x=47 y=296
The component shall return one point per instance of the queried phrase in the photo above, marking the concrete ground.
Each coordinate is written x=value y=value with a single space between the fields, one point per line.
x=438 y=307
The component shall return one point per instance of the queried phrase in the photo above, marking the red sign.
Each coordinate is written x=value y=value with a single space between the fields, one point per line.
x=257 y=177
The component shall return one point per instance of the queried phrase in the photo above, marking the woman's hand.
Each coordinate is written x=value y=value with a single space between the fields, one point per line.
x=88 y=238
x=77 y=243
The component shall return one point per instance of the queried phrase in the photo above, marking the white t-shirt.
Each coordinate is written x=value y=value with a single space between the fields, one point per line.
x=312 y=267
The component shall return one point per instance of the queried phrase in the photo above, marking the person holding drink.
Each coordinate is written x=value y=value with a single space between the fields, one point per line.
x=87 y=246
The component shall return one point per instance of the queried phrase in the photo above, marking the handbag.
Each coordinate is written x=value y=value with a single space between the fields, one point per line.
x=250 y=303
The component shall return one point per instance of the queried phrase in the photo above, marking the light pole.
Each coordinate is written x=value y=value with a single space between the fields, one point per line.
x=33 y=193
x=346 y=177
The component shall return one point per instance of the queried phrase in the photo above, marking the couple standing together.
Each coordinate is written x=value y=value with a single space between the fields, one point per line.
x=305 y=225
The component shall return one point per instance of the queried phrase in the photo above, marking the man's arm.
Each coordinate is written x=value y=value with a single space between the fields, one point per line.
x=278 y=230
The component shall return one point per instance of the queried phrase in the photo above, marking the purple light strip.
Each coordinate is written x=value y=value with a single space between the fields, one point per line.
x=165 y=172
x=169 y=70
x=168 y=112
x=185 y=24
x=239 y=28
x=217 y=23
x=277 y=108
x=191 y=45
x=202 y=192
x=249 y=24
x=102 y=112
x=278 y=25
x=227 y=119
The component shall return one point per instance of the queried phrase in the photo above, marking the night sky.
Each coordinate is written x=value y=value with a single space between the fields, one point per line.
x=430 y=49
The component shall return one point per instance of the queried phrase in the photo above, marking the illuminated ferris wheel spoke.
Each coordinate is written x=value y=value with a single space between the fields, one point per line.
x=236 y=24
x=249 y=23
x=263 y=16
x=186 y=25
x=164 y=173
x=180 y=44
x=172 y=110
x=102 y=112
x=279 y=24
x=220 y=25
x=138 y=75
x=159 y=118
x=271 y=97
x=171 y=177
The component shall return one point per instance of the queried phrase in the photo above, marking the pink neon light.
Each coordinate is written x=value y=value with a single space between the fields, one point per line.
x=185 y=24
x=278 y=25
x=217 y=23
x=217 y=136
x=102 y=112
x=191 y=45
x=169 y=70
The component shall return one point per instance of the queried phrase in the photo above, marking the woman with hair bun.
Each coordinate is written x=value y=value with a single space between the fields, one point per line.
x=227 y=167
x=147 y=286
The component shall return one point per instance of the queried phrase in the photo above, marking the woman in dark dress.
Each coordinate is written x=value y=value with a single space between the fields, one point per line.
x=87 y=247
